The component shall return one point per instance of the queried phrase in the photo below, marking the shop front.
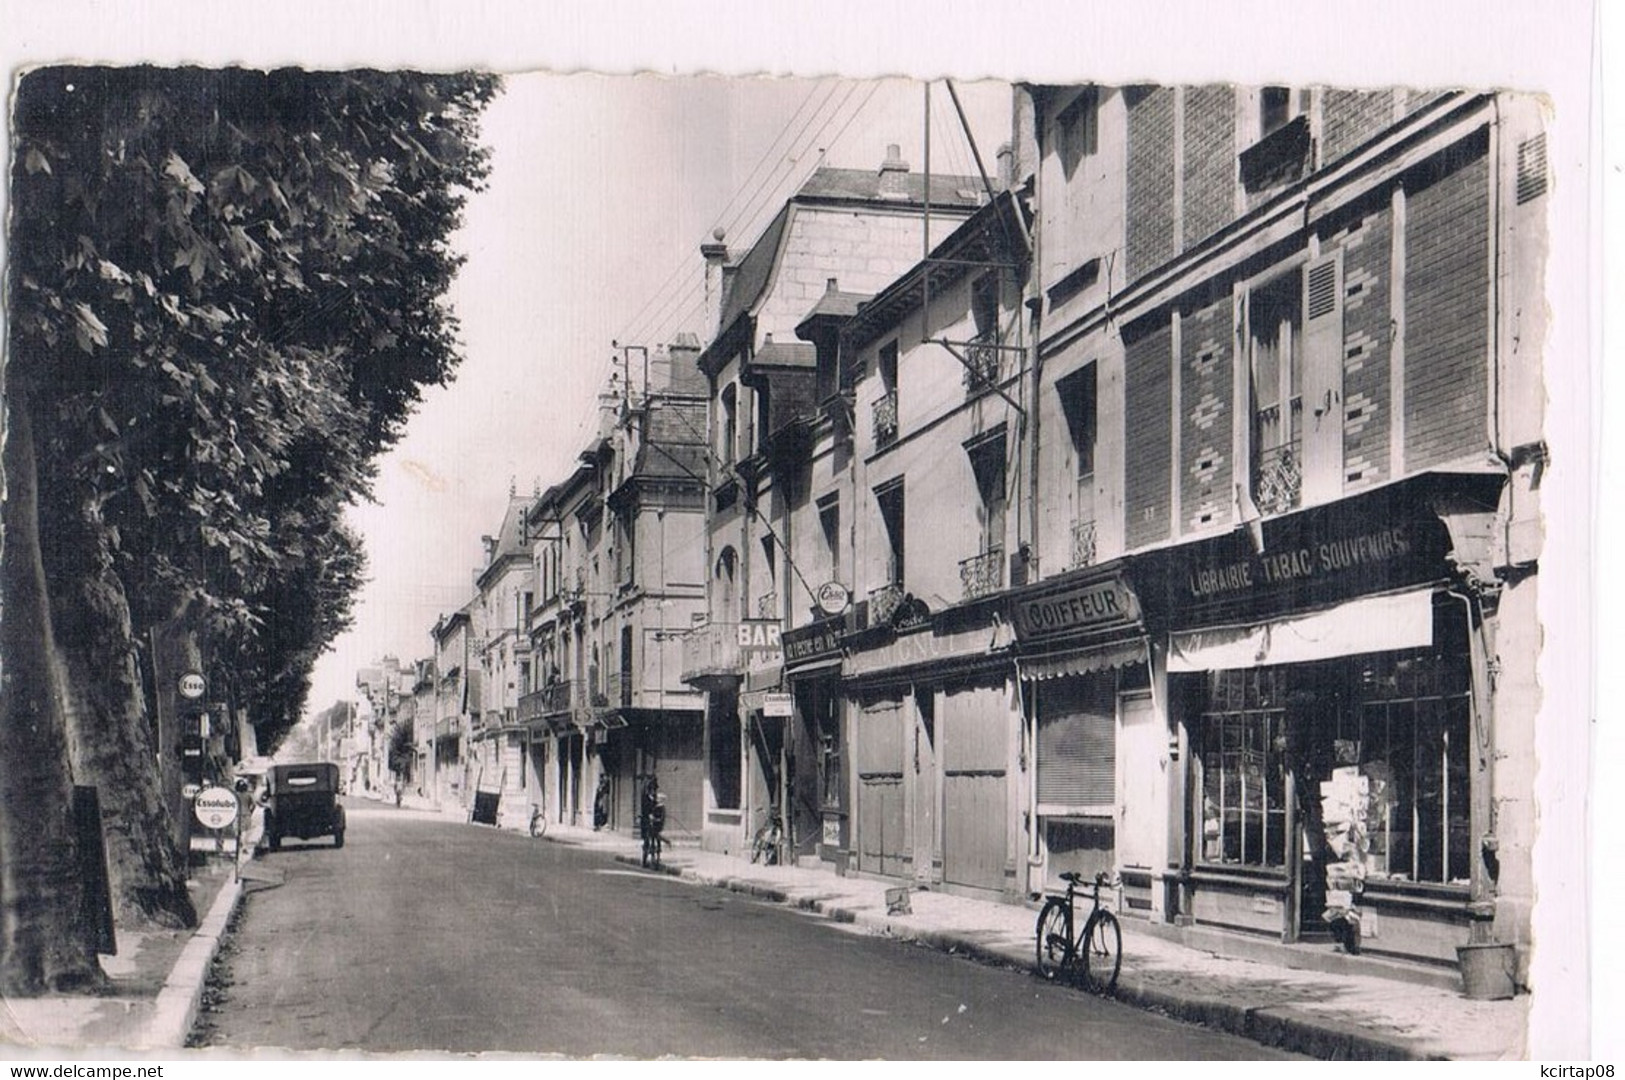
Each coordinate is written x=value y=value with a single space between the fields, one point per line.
x=817 y=821
x=1329 y=675
x=934 y=731
x=1099 y=747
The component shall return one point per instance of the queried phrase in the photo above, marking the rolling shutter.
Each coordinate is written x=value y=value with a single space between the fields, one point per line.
x=1077 y=742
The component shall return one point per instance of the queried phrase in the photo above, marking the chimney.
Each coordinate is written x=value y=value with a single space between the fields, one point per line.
x=715 y=254
x=686 y=377
x=894 y=174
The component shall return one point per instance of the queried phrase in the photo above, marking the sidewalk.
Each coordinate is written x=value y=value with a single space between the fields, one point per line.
x=158 y=978
x=1325 y=1014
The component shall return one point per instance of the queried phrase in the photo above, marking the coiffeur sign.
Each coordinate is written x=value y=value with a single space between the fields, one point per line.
x=1078 y=606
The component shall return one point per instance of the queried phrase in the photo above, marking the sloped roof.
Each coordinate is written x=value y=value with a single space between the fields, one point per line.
x=963 y=192
x=671 y=462
x=781 y=354
x=755 y=270
x=834 y=304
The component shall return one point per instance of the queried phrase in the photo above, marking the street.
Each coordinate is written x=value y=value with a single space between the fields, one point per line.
x=425 y=933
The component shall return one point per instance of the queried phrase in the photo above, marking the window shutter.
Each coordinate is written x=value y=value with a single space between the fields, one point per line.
x=1531 y=168
x=1077 y=742
x=1323 y=379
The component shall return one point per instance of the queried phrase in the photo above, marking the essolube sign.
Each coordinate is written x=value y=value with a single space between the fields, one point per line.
x=215 y=807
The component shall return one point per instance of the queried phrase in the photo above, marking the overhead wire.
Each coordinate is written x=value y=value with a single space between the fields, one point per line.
x=752 y=192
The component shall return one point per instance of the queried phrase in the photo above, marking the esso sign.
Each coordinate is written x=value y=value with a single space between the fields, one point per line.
x=193 y=685
x=832 y=598
x=215 y=807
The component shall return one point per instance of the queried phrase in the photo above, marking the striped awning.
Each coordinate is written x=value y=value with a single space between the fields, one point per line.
x=1072 y=662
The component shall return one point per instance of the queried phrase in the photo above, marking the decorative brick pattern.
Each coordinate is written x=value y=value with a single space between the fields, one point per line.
x=1205 y=390
x=1150 y=239
x=1367 y=332
x=1446 y=306
x=1350 y=117
x=1210 y=162
x=1148 y=430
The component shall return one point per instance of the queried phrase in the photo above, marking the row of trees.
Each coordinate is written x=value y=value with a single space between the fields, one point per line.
x=226 y=296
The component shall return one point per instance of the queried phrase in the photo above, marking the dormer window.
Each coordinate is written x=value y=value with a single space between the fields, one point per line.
x=1285 y=144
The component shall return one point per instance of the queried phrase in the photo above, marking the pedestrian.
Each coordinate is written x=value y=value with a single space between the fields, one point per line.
x=600 y=803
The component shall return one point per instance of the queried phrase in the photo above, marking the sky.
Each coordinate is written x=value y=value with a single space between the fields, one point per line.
x=549 y=285
x=602 y=190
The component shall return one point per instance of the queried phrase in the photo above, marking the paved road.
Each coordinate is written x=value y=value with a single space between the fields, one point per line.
x=424 y=933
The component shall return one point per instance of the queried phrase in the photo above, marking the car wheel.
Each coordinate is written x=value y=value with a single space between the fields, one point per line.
x=338 y=839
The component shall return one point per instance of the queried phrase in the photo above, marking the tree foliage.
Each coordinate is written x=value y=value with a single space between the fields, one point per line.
x=226 y=294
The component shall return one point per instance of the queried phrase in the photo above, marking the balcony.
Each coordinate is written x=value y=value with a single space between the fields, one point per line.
x=551 y=700
x=1083 y=544
x=885 y=419
x=982 y=574
x=883 y=604
x=767 y=606
x=982 y=363
x=711 y=652
x=1277 y=479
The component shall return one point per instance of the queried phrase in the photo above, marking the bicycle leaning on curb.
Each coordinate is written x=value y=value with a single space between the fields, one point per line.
x=1092 y=954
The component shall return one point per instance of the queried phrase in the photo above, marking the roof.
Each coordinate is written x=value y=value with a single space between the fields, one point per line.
x=963 y=192
x=835 y=305
x=987 y=236
x=673 y=462
x=752 y=273
x=779 y=354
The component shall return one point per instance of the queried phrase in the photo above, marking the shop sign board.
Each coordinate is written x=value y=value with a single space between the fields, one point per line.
x=807 y=644
x=1083 y=606
x=1315 y=557
x=193 y=685
x=777 y=704
x=761 y=644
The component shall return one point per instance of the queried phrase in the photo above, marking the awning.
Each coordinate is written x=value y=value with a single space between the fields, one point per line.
x=1371 y=624
x=1082 y=661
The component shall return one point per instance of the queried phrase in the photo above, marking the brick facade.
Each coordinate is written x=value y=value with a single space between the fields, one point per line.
x=1446 y=306
x=1206 y=462
x=1210 y=162
x=1350 y=117
x=1150 y=239
x=1147 y=433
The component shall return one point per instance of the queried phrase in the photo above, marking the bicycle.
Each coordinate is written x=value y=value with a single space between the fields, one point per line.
x=1096 y=953
x=538 y=822
x=768 y=846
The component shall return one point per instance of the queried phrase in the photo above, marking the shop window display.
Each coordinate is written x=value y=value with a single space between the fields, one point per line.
x=1243 y=769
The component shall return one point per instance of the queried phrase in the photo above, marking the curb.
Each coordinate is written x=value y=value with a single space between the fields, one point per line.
x=182 y=995
x=1279 y=1027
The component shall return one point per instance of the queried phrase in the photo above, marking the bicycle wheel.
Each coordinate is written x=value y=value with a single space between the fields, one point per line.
x=1102 y=951
x=1055 y=953
x=538 y=825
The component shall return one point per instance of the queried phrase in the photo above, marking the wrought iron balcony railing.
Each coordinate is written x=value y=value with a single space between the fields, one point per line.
x=982 y=362
x=550 y=700
x=885 y=419
x=1083 y=543
x=982 y=574
x=1278 y=479
x=883 y=603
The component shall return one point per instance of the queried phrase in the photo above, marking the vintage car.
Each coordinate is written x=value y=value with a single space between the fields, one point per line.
x=302 y=801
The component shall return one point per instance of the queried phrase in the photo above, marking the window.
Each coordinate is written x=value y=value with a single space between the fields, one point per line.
x=730 y=423
x=982 y=355
x=1276 y=379
x=764 y=420
x=725 y=573
x=625 y=553
x=1411 y=737
x=829 y=520
x=1078 y=130
x=885 y=408
x=1243 y=762
x=1080 y=407
x=983 y=573
x=890 y=498
x=768 y=602
x=1274 y=109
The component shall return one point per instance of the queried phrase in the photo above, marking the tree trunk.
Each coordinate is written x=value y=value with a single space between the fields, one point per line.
x=42 y=946
x=113 y=744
